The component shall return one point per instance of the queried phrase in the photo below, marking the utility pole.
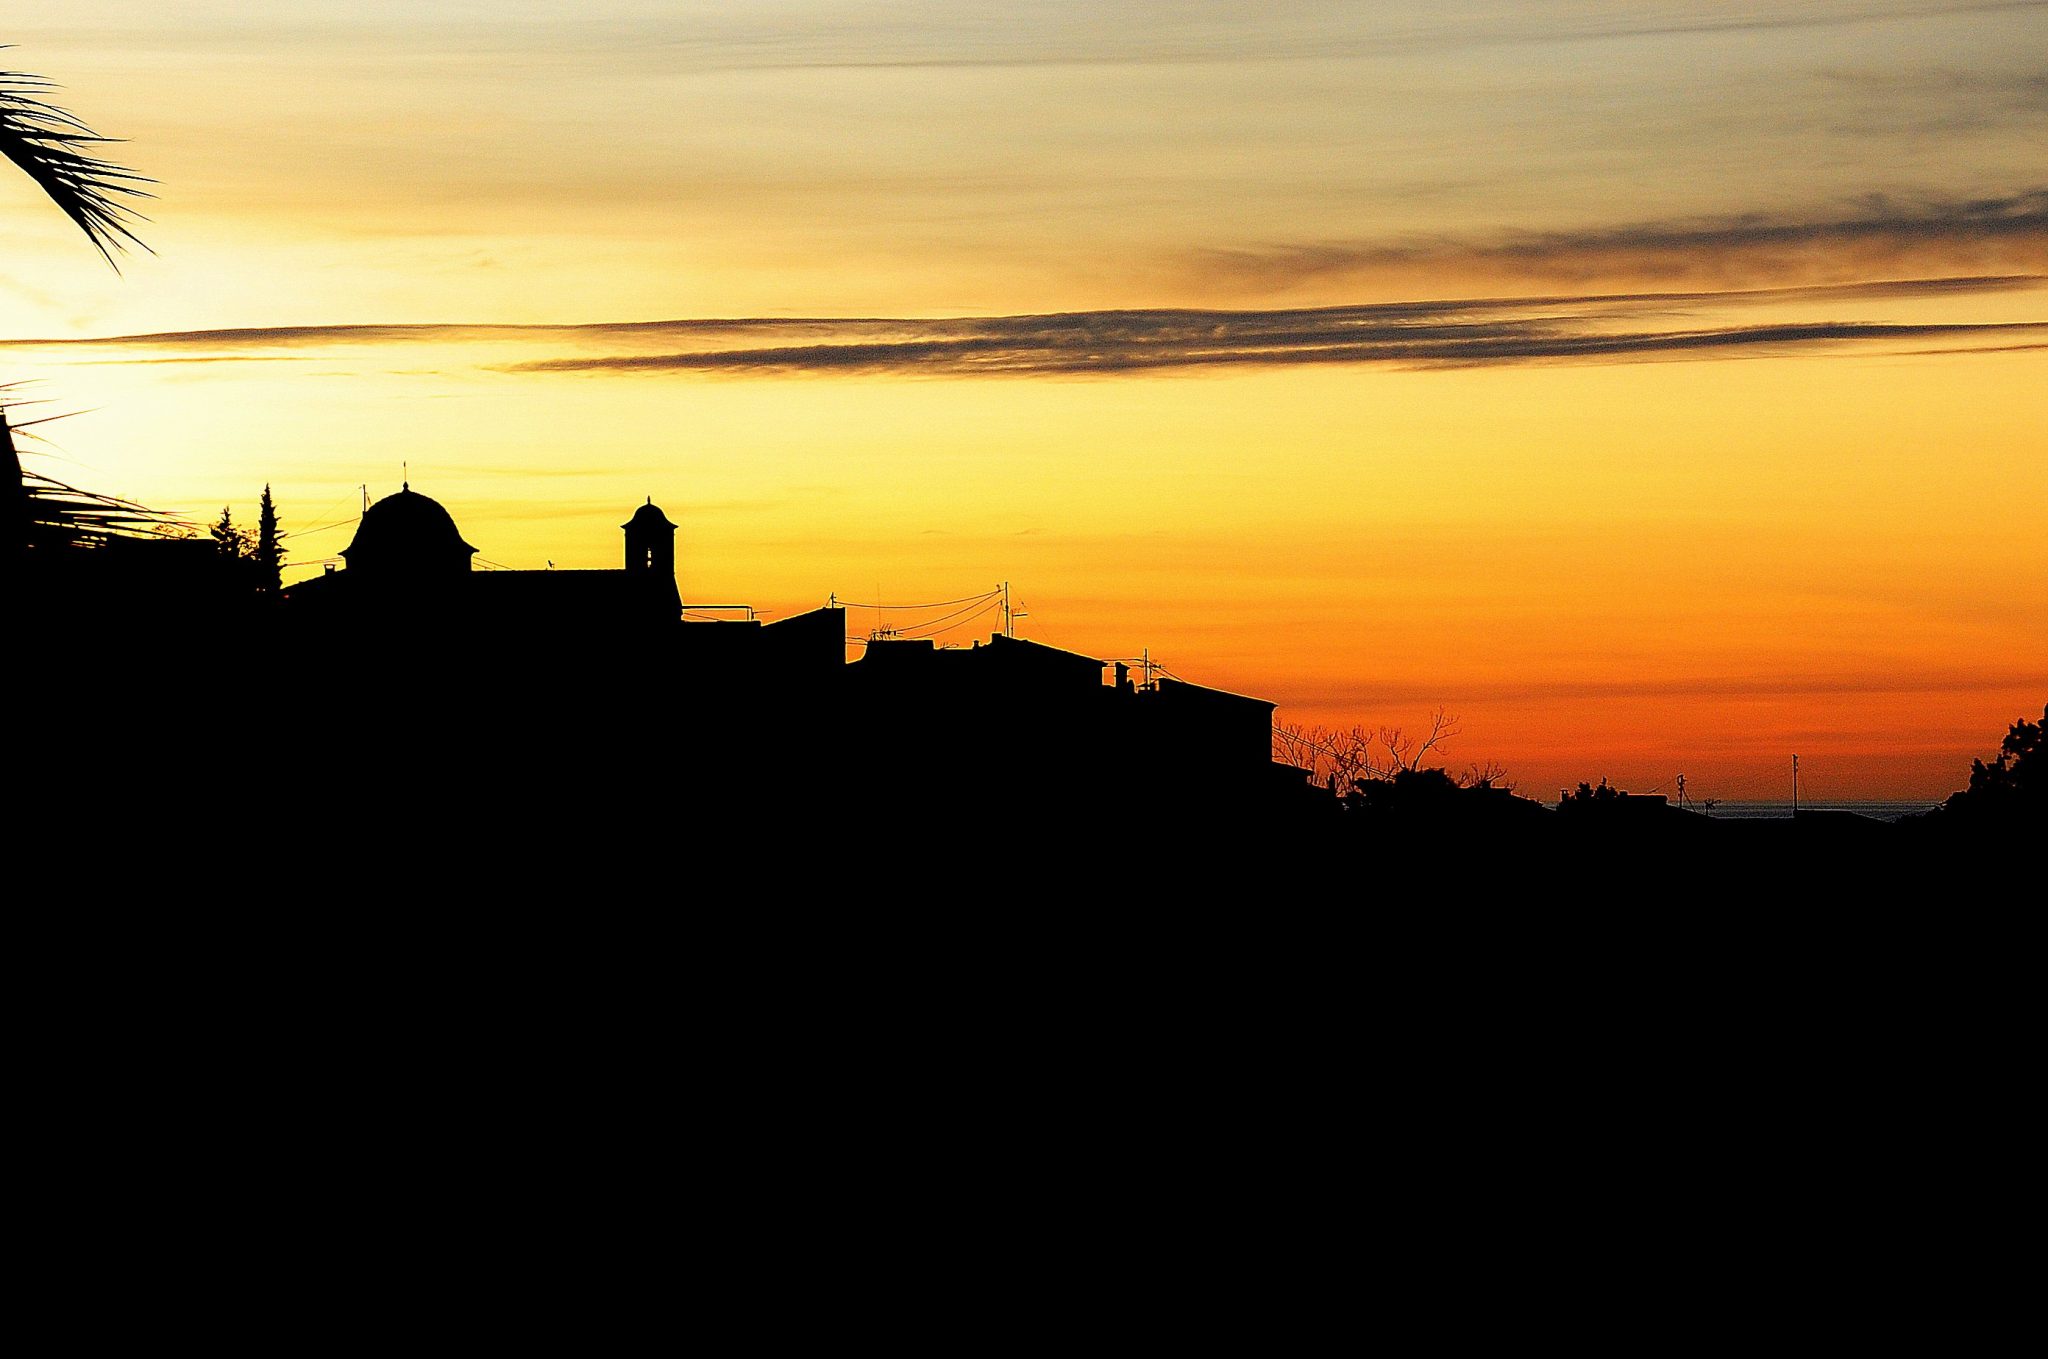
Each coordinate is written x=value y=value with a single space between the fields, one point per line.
x=1009 y=627
x=1795 y=785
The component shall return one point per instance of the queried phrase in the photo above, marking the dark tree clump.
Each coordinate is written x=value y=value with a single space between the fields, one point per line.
x=229 y=540
x=2016 y=783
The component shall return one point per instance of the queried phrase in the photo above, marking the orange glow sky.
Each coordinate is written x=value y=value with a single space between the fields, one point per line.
x=1655 y=386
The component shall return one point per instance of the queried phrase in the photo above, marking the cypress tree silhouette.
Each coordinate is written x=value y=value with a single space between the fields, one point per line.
x=269 y=550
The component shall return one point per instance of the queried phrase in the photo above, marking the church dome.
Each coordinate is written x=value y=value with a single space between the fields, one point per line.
x=409 y=534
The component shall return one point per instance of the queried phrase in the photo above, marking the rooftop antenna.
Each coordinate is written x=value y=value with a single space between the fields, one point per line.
x=405 y=476
x=366 y=498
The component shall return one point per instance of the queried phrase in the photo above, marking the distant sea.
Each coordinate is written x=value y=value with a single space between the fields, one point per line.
x=1881 y=811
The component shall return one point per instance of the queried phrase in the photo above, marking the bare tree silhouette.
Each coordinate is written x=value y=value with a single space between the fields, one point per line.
x=1341 y=759
x=1405 y=750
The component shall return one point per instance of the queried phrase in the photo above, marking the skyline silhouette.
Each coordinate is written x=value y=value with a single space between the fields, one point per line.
x=596 y=708
x=1654 y=396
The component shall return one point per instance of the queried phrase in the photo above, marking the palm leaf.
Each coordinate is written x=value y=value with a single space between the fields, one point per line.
x=55 y=149
x=53 y=515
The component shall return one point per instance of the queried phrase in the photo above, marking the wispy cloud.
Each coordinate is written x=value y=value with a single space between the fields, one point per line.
x=1880 y=235
x=1053 y=32
x=273 y=337
x=1074 y=35
x=1155 y=342
x=196 y=358
x=1981 y=349
x=1561 y=327
x=1467 y=332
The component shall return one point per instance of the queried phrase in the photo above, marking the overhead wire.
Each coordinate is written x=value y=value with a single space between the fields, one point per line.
x=331 y=508
x=935 y=604
x=307 y=533
x=941 y=631
x=932 y=627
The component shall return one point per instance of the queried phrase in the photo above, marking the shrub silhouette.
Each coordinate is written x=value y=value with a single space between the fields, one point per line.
x=2013 y=784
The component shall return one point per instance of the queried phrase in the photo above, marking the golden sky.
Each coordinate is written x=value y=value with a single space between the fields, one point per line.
x=1656 y=386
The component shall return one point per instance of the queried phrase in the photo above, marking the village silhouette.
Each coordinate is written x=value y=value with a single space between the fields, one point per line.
x=548 y=715
x=524 y=726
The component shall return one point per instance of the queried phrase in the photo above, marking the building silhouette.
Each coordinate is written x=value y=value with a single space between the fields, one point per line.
x=409 y=561
x=598 y=663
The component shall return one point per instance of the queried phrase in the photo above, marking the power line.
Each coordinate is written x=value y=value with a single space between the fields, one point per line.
x=307 y=533
x=330 y=509
x=936 y=604
x=938 y=625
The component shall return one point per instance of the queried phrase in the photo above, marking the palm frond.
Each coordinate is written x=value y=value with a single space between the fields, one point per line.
x=62 y=516
x=54 y=149
x=57 y=516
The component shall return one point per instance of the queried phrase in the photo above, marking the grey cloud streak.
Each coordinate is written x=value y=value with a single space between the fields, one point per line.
x=1879 y=234
x=1053 y=352
x=1418 y=334
x=1054 y=32
x=1610 y=327
x=1272 y=33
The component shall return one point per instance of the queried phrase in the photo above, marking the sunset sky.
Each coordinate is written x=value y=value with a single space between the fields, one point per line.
x=1657 y=387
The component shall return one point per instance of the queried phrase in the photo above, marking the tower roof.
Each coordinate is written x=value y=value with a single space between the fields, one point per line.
x=648 y=516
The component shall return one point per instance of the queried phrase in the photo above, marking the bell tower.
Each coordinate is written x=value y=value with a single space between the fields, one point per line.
x=651 y=550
